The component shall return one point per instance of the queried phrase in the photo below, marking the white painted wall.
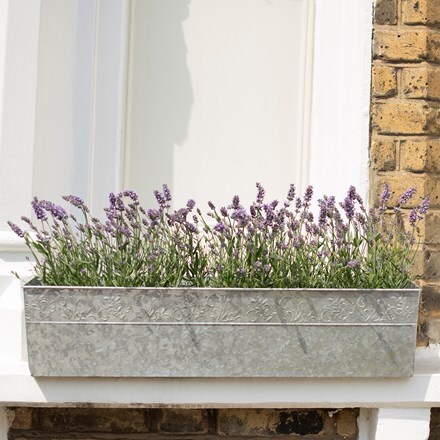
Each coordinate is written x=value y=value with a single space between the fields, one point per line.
x=3 y=42
x=402 y=423
x=18 y=76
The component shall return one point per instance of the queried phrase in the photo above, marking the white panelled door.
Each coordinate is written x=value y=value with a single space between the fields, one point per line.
x=217 y=95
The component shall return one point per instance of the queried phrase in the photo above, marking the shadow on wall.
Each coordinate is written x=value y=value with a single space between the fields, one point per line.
x=160 y=93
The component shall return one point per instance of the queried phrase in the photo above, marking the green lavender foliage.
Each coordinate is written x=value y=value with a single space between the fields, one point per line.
x=268 y=245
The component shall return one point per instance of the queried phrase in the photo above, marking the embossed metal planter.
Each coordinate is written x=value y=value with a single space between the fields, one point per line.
x=168 y=332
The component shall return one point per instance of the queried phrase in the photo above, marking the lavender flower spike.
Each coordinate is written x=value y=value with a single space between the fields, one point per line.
x=424 y=206
x=308 y=195
x=131 y=194
x=74 y=201
x=166 y=192
x=412 y=218
x=38 y=209
x=220 y=227
x=190 y=204
x=16 y=229
x=407 y=196
x=291 y=193
x=261 y=193
x=57 y=211
x=386 y=194
x=160 y=199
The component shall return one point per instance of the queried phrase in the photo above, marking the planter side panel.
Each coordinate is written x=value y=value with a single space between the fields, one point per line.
x=220 y=333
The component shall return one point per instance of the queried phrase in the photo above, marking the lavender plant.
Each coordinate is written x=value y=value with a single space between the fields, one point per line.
x=268 y=245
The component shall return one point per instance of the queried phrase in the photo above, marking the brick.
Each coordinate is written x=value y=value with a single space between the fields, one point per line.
x=385 y=12
x=406 y=117
x=20 y=418
x=432 y=330
x=430 y=300
x=431 y=268
x=384 y=82
x=421 y=82
x=183 y=421
x=383 y=154
x=426 y=12
x=417 y=268
x=432 y=227
x=269 y=422
x=434 y=425
x=407 y=45
x=400 y=45
x=427 y=263
x=420 y=155
x=433 y=46
x=347 y=422
x=91 y=419
x=399 y=183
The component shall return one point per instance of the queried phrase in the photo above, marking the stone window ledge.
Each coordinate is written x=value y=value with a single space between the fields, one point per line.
x=19 y=388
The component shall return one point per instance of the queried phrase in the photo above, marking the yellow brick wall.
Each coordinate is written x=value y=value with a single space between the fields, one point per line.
x=405 y=128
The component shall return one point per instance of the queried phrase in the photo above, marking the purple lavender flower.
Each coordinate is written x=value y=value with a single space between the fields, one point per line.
x=360 y=218
x=29 y=222
x=322 y=212
x=191 y=227
x=131 y=194
x=190 y=204
x=38 y=209
x=261 y=193
x=405 y=198
x=240 y=271
x=220 y=227
x=236 y=202
x=111 y=199
x=386 y=194
x=211 y=205
x=353 y=263
x=424 y=206
x=373 y=215
x=348 y=207
x=291 y=193
x=57 y=211
x=15 y=228
x=413 y=217
x=308 y=195
x=125 y=231
x=179 y=216
x=166 y=192
x=274 y=204
x=75 y=201
x=223 y=211
x=241 y=217
x=161 y=201
x=43 y=238
x=351 y=194
x=153 y=214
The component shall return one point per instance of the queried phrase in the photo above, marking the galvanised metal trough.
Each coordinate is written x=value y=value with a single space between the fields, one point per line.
x=207 y=332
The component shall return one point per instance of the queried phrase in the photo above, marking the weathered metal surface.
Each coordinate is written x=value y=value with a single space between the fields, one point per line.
x=154 y=332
